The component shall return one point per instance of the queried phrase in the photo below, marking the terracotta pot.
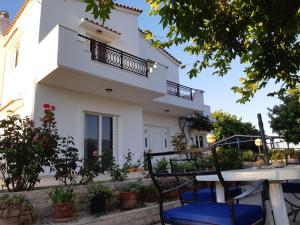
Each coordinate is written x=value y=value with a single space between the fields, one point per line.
x=149 y=198
x=9 y=220
x=172 y=195
x=63 y=212
x=293 y=161
x=248 y=164
x=278 y=163
x=128 y=200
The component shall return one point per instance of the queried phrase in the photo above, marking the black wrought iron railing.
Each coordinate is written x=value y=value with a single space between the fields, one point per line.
x=112 y=56
x=180 y=90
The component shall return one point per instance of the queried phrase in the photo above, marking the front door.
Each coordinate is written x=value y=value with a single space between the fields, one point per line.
x=156 y=138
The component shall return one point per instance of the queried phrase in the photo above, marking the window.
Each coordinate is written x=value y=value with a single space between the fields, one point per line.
x=199 y=141
x=99 y=138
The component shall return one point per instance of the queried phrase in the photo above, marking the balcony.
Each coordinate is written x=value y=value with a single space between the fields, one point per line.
x=87 y=66
x=112 y=56
x=181 y=90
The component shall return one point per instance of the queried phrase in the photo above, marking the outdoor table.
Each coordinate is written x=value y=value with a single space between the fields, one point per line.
x=274 y=175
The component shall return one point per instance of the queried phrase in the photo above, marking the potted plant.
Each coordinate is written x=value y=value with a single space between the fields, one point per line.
x=167 y=183
x=161 y=166
x=277 y=158
x=129 y=196
x=14 y=209
x=63 y=204
x=292 y=156
x=149 y=194
x=98 y=196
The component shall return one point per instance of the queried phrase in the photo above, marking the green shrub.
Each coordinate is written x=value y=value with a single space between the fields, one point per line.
x=16 y=201
x=120 y=173
x=276 y=154
x=97 y=189
x=161 y=166
x=249 y=156
x=183 y=166
x=229 y=158
x=60 y=195
x=148 y=189
x=132 y=187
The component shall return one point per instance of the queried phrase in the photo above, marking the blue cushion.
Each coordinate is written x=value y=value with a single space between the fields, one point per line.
x=215 y=213
x=206 y=194
x=291 y=187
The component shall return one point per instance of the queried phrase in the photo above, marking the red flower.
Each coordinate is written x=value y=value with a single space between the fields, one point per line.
x=46 y=106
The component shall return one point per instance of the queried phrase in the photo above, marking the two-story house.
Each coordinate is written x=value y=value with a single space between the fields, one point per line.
x=112 y=90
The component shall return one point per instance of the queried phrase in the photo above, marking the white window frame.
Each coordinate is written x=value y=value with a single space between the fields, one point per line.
x=114 y=132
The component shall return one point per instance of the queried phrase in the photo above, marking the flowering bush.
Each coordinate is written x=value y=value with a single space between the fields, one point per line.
x=26 y=149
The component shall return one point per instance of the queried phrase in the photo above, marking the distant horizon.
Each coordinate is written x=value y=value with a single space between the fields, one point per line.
x=217 y=90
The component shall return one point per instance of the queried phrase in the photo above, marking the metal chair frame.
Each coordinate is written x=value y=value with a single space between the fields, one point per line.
x=231 y=202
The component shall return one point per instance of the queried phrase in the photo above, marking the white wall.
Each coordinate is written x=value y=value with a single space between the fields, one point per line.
x=69 y=14
x=149 y=52
x=70 y=108
x=19 y=81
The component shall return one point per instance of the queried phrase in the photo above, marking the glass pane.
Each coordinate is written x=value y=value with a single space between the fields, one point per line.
x=107 y=141
x=201 y=141
x=91 y=139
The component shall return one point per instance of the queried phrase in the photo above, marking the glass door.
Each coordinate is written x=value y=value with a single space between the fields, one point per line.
x=98 y=138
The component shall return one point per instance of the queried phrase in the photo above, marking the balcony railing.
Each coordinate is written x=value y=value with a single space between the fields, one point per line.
x=112 y=56
x=180 y=90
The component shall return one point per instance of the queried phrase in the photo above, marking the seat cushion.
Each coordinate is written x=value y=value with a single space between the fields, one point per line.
x=215 y=213
x=207 y=194
x=291 y=187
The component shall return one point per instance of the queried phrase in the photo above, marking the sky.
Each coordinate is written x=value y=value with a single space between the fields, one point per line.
x=217 y=90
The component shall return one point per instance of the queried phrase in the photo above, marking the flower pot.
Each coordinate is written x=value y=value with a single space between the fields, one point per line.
x=128 y=200
x=278 y=163
x=63 y=212
x=9 y=221
x=149 y=198
x=98 y=203
x=293 y=161
x=248 y=164
x=172 y=195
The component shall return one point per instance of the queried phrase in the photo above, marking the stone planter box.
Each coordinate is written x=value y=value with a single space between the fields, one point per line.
x=42 y=203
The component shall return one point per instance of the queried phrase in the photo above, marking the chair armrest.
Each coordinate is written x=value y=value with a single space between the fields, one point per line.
x=252 y=189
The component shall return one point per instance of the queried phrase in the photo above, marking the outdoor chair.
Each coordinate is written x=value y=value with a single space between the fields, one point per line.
x=203 y=212
x=200 y=193
x=292 y=188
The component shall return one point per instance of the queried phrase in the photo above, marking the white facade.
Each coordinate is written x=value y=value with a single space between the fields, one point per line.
x=43 y=60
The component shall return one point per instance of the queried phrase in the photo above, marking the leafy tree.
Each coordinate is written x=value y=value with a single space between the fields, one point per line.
x=262 y=34
x=226 y=125
x=285 y=117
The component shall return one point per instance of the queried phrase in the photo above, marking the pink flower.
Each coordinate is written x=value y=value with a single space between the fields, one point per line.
x=52 y=107
x=46 y=106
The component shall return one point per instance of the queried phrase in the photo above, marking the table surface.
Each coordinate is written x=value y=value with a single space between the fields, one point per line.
x=291 y=172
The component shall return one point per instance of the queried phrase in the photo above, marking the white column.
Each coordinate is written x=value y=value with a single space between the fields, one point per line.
x=278 y=203
x=220 y=192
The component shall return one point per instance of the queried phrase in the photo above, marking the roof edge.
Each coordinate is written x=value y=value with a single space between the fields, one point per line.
x=162 y=50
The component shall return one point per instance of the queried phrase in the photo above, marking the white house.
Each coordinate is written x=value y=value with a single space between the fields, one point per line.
x=112 y=91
